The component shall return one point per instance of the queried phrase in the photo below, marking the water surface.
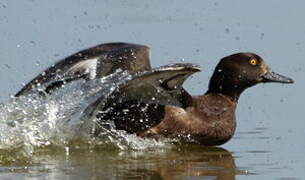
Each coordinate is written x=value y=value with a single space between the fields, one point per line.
x=37 y=137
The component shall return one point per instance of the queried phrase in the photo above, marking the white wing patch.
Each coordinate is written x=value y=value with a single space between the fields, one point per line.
x=85 y=67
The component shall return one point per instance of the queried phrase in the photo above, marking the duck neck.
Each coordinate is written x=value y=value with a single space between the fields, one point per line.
x=231 y=91
x=233 y=96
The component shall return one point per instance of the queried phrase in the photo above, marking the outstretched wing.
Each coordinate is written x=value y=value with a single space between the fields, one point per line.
x=91 y=63
x=162 y=85
x=138 y=104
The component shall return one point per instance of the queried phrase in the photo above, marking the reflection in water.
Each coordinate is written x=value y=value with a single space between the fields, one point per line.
x=207 y=162
x=178 y=163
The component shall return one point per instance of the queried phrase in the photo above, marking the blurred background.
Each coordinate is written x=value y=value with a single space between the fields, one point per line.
x=270 y=133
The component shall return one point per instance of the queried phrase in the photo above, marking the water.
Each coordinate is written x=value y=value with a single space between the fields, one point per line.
x=49 y=137
x=35 y=121
x=189 y=162
x=39 y=137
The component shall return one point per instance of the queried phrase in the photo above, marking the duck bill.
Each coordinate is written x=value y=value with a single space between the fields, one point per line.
x=275 y=77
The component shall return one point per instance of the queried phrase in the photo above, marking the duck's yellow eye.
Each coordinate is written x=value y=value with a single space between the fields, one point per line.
x=253 y=62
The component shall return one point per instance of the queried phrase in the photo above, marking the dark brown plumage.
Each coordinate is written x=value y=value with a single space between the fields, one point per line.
x=154 y=103
x=210 y=118
x=94 y=62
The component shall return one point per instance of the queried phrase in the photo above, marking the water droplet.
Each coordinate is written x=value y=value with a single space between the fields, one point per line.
x=262 y=36
x=37 y=63
x=67 y=151
x=7 y=66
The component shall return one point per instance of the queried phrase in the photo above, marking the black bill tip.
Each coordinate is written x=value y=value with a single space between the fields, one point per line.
x=275 y=77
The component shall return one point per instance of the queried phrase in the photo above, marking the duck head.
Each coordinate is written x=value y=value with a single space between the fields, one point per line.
x=237 y=72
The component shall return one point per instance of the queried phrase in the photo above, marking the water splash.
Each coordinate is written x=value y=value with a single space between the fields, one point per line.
x=33 y=121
